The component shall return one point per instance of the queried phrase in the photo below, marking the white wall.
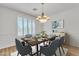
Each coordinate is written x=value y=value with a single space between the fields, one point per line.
x=71 y=25
x=39 y=27
x=8 y=26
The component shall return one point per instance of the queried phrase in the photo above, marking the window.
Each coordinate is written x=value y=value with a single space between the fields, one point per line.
x=25 y=26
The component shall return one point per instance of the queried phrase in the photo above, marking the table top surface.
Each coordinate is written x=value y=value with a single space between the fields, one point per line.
x=33 y=42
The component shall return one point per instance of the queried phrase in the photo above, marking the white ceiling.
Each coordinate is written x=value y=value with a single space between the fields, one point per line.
x=49 y=8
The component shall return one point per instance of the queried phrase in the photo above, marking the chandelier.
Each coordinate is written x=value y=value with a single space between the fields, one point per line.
x=43 y=18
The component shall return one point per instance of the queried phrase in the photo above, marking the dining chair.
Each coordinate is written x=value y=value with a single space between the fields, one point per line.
x=50 y=49
x=51 y=39
x=61 y=41
x=28 y=36
x=23 y=50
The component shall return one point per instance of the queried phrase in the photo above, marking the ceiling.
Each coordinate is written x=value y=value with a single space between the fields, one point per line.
x=49 y=8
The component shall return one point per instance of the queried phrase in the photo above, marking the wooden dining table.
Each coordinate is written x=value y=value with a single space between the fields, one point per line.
x=35 y=42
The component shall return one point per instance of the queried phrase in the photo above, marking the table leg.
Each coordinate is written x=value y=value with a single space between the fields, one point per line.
x=37 y=49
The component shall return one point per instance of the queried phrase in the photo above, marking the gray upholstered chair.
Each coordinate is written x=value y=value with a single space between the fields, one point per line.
x=50 y=49
x=61 y=41
x=51 y=39
x=23 y=50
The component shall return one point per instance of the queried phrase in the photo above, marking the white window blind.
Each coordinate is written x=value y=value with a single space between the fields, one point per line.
x=25 y=26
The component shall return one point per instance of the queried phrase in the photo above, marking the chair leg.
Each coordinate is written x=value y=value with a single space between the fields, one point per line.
x=17 y=54
x=62 y=49
x=31 y=53
x=59 y=51
x=40 y=53
x=55 y=54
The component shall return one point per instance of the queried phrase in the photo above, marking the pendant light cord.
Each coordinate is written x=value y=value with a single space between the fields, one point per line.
x=42 y=9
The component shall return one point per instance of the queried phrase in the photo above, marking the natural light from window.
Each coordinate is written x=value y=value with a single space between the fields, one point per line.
x=25 y=26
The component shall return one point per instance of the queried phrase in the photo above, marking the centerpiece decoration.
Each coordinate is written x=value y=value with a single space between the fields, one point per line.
x=42 y=34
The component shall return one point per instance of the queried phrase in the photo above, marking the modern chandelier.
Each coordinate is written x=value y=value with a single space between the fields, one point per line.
x=43 y=18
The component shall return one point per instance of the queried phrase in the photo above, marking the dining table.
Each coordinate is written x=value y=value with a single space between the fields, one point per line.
x=35 y=42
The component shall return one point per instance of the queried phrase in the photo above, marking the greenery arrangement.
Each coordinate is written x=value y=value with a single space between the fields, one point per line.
x=42 y=34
